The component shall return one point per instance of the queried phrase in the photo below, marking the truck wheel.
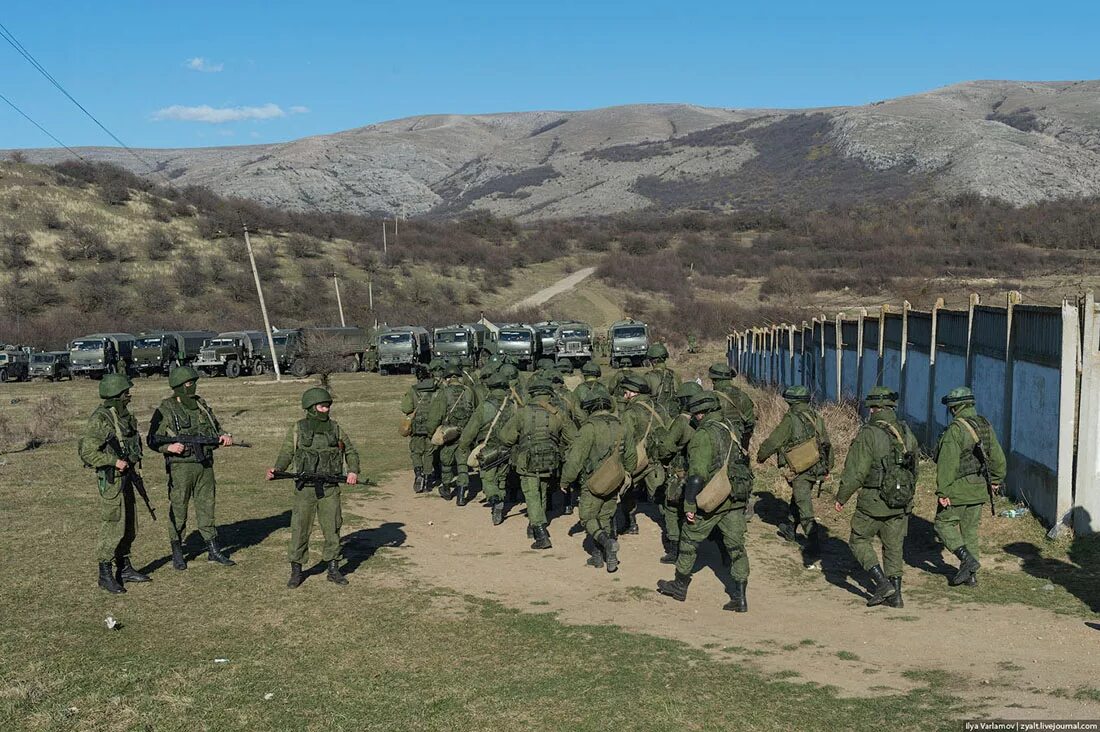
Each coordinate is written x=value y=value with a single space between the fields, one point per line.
x=259 y=369
x=3 y=375
x=232 y=369
x=298 y=368
x=351 y=365
x=383 y=371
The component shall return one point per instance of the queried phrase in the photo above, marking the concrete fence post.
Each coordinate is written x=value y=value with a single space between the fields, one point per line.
x=839 y=357
x=1067 y=412
x=1014 y=298
x=975 y=300
x=930 y=417
x=1086 y=498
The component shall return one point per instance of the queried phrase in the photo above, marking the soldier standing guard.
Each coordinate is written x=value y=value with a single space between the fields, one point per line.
x=190 y=469
x=111 y=444
x=316 y=445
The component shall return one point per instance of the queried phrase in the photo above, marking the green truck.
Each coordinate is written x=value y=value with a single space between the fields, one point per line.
x=522 y=343
x=298 y=348
x=101 y=353
x=14 y=364
x=573 y=343
x=159 y=351
x=233 y=353
x=629 y=342
x=50 y=365
x=401 y=348
x=466 y=341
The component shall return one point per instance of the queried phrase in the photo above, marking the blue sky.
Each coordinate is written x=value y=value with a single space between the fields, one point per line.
x=274 y=71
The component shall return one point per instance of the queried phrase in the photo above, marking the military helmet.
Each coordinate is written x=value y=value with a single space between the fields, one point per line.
x=114 y=384
x=881 y=396
x=452 y=370
x=540 y=386
x=634 y=383
x=796 y=393
x=721 y=370
x=657 y=351
x=497 y=380
x=591 y=368
x=556 y=377
x=181 y=375
x=314 y=396
x=426 y=384
x=687 y=390
x=544 y=364
x=958 y=396
x=703 y=402
x=509 y=372
x=564 y=366
x=596 y=403
x=435 y=366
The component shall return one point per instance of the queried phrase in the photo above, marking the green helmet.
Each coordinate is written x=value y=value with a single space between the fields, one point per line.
x=721 y=370
x=509 y=372
x=704 y=402
x=181 y=375
x=959 y=396
x=634 y=383
x=556 y=378
x=596 y=403
x=435 y=366
x=452 y=371
x=796 y=393
x=687 y=390
x=591 y=368
x=657 y=352
x=114 y=384
x=564 y=367
x=497 y=380
x=545 y=364
x=540 y=386
x=314 y=396
x=881 y=396
x=427 y=383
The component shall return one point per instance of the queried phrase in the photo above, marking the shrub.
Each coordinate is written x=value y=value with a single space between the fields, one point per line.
x=303 y=247
x=84 y=243
x=13 y=251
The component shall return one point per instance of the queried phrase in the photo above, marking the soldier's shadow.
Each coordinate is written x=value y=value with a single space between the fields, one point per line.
x=923 y=549
x=231 y=538
x=361 y=545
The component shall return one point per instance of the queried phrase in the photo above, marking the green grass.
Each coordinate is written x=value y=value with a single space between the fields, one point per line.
x=847 y=656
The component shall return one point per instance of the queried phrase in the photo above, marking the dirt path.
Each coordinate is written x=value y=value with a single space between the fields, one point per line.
x=1007 y=658
x=563 y=285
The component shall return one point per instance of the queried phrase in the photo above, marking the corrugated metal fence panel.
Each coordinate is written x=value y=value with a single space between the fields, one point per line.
x=990 y=331
x=951 y=328
x=1037 y=335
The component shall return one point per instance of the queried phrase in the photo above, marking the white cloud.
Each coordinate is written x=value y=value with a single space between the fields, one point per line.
x=298 y=109
x=201 y=64
x=218 y=115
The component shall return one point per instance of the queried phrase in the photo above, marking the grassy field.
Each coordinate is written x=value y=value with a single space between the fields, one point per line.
x=389 y=652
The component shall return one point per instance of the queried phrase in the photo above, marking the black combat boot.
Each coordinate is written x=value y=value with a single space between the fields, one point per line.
x=968 y=565
x=428 y=485
x=595 y=555
x=445 y=490
x=418 y=480
x=295 y=575
x=178 y=560
x=677 y=589
x=334 y=573
x=542 y=538
x=787 y=531
x=631 y=523
x=896 y=600
x=610 y=549
x=530 y=531
x=739 y=598
x=884 y=589
x=127 y=573
x=460 y=495
x=498 y=511
x=214 y=554
x=812 y=551
x=670 y=556
x=107 y=579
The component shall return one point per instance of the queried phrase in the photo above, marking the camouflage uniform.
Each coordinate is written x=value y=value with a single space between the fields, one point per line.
x=484 y=426
x=451 y=406
x=672 y=452
x=736 y=404
x=663 y=381
x=416 y=403
x=644 y=422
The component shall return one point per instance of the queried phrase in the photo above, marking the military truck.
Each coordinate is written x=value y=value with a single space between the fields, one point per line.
x=548 y=333
x=292 y=347
x=629 y=342
x=14 y=364
x=233 y=353
x=158 y=352
x=465 y=341
x=50 y=365
x=402 y=347
x=522 y=343
x=101 y=353
x=573 y=343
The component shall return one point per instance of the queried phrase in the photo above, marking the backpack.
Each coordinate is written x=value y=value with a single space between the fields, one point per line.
x=805 y=450
x=899 y=470
x=540 y=443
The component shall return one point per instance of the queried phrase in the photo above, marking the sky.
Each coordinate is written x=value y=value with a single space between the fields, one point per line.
x=234 y=72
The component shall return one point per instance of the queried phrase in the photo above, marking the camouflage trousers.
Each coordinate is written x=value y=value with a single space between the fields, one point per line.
x=493 y=481
x=957 y=526
x=731 y=524
x=117 y=518
x=802 y=503
x=422 y=452
x=891 y=530
x=535 y=490
x=597 y=513
x=187 y=483
x=327 y=510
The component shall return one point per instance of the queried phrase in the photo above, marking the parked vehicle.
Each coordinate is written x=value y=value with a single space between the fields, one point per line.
x=548 y=333
x=573 y=343
x=14 y=364
x=629 y=343
x=50 y=365
x=160 y=351
x=101 y=353
x=402 y=347
x=522 y=343
x=466 y=341
x=233 y=354
x=292 y=347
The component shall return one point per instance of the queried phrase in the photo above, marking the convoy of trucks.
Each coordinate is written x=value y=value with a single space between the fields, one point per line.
x=401 y=348
x=466 y=341
x=159 y=351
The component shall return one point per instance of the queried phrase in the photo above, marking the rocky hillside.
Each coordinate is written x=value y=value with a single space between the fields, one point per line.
x=1019 y=142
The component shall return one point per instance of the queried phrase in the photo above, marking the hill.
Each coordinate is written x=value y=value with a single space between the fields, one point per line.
x=1017 y=142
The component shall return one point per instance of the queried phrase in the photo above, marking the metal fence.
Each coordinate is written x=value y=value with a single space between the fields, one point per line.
x=1022 y=361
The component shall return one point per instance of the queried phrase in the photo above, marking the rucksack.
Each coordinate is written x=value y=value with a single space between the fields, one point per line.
x=899 y=470
x=540 y=443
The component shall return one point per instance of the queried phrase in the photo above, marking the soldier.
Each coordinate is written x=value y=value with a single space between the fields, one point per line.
x=483 y=429
x=714 y=446
x=599 y=437
x=644 y=422
x=881 y=465
x=590 y=385
x=970 y=464
x=673 y=453
x=450 y=410
x=316 y=444
x=564 y=401
x=190 y=469
x=436 y=367
x=736 y=404
x=799 y=426
x=537 y=430
x=111 y=444
x=415 y=405
x=661 y=379
x=564 y=367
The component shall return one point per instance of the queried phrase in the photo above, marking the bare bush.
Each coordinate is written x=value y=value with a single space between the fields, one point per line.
x=160 y=244
x=47 y=423
x=84 y=243
x=14 y=251
x=302 y=247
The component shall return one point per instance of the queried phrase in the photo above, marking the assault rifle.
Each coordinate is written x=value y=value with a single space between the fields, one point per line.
x=198 y=445
x=317 y=480
x=983 y=460
x=110 y=472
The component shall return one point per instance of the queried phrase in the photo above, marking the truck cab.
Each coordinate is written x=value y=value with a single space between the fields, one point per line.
x=522 y=343
x=629 y=343
x=101 y=353
x=232 y=354
x=573 y=343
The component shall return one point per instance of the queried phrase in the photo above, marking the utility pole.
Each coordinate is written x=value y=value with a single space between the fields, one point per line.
x=384 y=250
x=370 y=294
x=263 y=305
x=339 y=302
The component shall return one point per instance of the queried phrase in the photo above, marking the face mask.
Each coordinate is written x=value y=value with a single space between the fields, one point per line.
x=318 y=415
x=696 y=420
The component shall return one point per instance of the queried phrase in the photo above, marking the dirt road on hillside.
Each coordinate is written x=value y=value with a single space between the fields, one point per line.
x=1005 y=659
x=563 y=285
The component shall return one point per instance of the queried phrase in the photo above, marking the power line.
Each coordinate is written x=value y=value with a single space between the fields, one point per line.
x=8 y=36
x=40 y=127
